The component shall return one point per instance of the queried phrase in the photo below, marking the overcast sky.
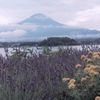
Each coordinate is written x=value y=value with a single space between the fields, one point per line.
x=80 y=13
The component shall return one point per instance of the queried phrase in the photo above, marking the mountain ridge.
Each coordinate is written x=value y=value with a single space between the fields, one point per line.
x=40 y=19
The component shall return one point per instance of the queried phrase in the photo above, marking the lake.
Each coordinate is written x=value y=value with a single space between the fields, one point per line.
x=55 y=48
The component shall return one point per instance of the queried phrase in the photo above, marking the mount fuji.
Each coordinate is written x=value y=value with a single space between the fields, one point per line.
x=41 y=19
x=39 y=26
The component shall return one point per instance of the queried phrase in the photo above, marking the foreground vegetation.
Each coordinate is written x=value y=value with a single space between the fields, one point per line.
x=86 y=82
x=25 y=75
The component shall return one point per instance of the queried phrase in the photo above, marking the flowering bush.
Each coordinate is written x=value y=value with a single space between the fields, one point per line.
x=86 y=82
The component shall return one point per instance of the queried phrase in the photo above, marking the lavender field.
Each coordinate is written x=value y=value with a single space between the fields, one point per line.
x=24 y=75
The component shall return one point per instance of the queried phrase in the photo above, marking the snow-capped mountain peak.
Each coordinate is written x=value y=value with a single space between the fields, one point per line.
x=41 y=19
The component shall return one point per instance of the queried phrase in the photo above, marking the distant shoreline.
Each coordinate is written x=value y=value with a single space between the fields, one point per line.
x=52 y=41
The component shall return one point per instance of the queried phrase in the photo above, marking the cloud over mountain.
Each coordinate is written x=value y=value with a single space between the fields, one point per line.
x=40 y=26
x=13 y=34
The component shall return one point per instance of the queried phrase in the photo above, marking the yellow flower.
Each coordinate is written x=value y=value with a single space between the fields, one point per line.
x=71 y=81
x=89 y=60
x=88 y=65
x=97 y=98
x=93 y=67
x=87 y=77
x=87 y=70
x=95 y=53
x=65 y=79
x=90 y=53
x=71 y=86
x=84 y=78
x=96 y=57
x=93 y=73
x=83 y=57
x=78 y=66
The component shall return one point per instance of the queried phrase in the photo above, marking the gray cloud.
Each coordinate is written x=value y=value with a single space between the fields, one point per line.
x=82 y=13
x=76 y=36
x=13 y=27
x=12 y=34
x=88 y=18
x=15 y=32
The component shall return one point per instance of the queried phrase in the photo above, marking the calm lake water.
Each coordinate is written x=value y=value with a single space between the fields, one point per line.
x=36 y=50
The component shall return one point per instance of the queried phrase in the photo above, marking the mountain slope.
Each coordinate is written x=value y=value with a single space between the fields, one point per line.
x=40 y=19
